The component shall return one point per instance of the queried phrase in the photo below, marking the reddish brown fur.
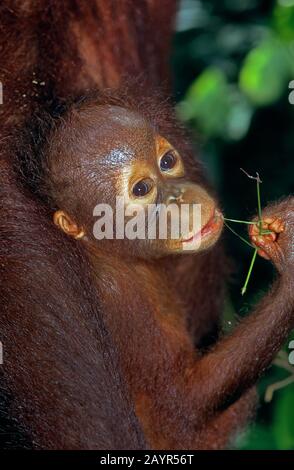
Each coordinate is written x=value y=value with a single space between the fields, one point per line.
x=69 y=348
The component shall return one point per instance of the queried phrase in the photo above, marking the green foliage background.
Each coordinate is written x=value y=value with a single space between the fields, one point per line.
x=233 y=61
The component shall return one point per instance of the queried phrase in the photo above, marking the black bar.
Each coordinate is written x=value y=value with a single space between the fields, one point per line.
x=145 y=459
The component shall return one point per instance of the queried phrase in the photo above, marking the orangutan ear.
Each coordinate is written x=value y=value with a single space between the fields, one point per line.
x=63 y=221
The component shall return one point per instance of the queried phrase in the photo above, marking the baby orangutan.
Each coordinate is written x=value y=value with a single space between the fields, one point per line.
x=118 y=154
x=183 y=399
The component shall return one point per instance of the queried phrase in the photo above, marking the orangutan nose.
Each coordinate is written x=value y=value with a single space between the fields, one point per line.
x=175 y=194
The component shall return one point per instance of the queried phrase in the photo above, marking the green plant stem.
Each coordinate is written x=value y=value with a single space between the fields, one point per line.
x=259 y=203
x=239 y=221
x=239 y=236
x=262 y=231
x=244 y=288
x=258 y=223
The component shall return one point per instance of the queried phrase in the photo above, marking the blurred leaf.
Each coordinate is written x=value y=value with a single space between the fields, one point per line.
x=219 y=109
x=258 y=437
x=238 y=38
x=241 y=5
x=192 y=14
x=207 y=101
x=263 y=77
x=284 y=419
x=283 y=21
x=239 y=117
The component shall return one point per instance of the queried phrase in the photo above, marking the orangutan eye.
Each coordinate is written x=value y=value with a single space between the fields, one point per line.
x=168 y=161
x=142 y=188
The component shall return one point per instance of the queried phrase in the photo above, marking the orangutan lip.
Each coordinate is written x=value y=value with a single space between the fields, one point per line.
x=209 y=227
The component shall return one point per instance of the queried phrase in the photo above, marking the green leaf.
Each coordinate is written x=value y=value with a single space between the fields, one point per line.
x=283 y=21
x=264 y=74
x=239 y=116
x=257 y=437
x=207 y=102
x=284 y=419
